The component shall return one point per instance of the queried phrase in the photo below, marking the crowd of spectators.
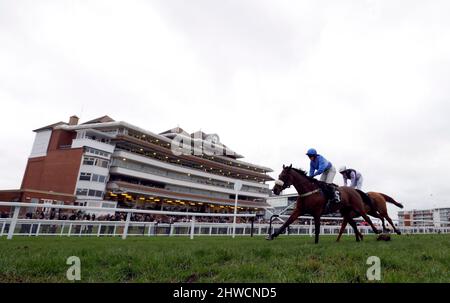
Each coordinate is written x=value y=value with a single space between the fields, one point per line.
x=55 y=214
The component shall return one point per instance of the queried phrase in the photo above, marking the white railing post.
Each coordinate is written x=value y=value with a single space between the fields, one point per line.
x=171 y=230
x=99 y=230
x=62 y=229
x=38 y=228
x=310 y=228
x=70 y=230
x=12 y=225
x=127 y=224
x=192 y=227
x=3 y=229
x=30 y=232
x=149 y=232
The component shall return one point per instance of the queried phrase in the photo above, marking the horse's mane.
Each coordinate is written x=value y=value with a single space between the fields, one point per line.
x=305 y=174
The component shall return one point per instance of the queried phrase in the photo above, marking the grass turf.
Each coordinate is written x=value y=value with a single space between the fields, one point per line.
x=418 y=258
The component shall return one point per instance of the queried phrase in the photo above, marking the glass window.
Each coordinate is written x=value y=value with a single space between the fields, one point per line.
x=82 y=192
x=104 y=164
x=88 y=161
x=85 y=176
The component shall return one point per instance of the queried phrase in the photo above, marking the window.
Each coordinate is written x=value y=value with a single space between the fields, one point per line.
x=85 y=177
x=97 y=152
x=89 y=161
x=98 y=178
x=94 y=161
x=95 y=193
x=82 y=192
x=102 y=163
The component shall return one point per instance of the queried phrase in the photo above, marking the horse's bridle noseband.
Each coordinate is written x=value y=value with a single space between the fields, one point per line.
x=282 y=184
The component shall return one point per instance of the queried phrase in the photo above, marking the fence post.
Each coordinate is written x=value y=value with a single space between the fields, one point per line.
x=192 y=227
x=149 y=232
x=38 y=228
x=13 y=224
x=127 y=224
x=171 y=230
x=62 y=229
x=70 y=230
x=3 y=229
x=310 y=228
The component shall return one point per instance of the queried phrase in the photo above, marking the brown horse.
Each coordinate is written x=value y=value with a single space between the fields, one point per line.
x=312 y=201
x=377 y=209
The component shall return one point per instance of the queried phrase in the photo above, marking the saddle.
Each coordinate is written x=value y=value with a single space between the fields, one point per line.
x=329 y=192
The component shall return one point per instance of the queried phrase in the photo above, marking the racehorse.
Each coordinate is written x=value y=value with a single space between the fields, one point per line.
x=311 y=200
x=377 y=209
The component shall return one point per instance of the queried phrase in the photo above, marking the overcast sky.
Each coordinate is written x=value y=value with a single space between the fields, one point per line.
x=364 y=82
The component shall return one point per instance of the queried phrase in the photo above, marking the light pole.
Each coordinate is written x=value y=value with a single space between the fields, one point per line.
x=237 y=188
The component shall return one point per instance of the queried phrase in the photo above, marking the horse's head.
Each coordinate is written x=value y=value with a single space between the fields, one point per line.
x=284 y=180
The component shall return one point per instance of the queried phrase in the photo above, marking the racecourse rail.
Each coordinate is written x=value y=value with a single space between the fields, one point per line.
x=43 y=227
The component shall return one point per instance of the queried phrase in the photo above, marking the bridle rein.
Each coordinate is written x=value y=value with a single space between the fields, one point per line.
x=282 y=184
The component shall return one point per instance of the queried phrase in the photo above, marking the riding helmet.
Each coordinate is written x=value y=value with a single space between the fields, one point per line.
x=311 y=152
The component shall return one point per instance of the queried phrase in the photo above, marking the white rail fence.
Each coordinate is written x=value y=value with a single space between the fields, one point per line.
x=66 y=228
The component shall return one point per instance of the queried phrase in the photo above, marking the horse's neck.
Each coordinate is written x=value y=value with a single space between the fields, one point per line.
x=303 y=185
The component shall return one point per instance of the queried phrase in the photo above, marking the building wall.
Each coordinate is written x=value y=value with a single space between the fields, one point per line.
x=60 y=138
x=57 y=172
x=32 y=196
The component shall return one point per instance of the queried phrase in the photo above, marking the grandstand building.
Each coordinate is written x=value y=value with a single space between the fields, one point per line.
x=107 y=163
x=428 y=217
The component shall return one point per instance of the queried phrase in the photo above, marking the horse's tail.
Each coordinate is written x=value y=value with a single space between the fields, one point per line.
x=366 y=198
x=390 y=200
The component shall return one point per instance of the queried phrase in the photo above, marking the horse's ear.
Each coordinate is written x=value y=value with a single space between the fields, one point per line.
x=290 y=166
x=284 y=166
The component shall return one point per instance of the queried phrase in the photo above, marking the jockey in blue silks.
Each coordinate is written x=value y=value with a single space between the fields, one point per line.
x=321 y=166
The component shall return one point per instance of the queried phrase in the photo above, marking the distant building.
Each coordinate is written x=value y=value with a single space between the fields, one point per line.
x=106 y=163
x=279 y=203
x=427 y=217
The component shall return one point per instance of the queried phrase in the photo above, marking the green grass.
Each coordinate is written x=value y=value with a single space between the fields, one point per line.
x=419 y=258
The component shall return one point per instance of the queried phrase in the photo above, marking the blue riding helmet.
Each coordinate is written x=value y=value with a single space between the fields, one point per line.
x=311 y=152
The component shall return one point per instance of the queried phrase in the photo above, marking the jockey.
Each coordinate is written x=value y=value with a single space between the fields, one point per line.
x=321 y=166
x=352 y=175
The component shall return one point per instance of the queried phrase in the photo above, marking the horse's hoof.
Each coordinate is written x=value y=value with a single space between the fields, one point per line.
x=269 y=238
x=398 y=233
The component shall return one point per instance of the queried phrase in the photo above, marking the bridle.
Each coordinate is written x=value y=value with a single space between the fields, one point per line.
x=283 y=186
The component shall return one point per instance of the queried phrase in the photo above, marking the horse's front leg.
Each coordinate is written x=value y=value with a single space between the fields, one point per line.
x=288 y=222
